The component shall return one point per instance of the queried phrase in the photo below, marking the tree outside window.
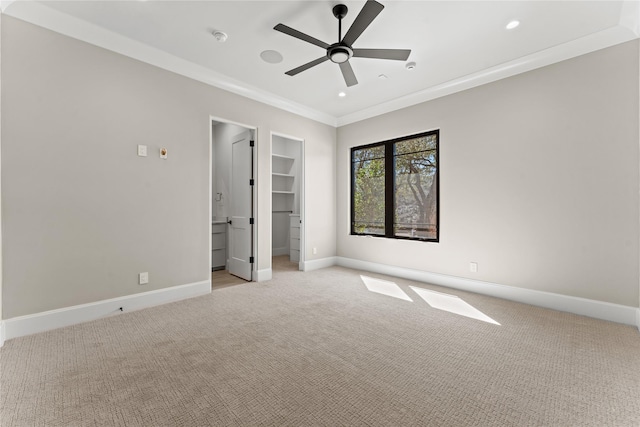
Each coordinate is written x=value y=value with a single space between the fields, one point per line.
x=394 y=188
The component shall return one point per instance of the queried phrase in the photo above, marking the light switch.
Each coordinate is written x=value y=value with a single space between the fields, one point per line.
x=142 y=150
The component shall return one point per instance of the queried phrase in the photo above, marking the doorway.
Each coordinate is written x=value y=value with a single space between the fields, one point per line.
x=287 y=195
x=232 y=183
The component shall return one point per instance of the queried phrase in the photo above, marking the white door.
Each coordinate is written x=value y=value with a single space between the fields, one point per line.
x=241 y=214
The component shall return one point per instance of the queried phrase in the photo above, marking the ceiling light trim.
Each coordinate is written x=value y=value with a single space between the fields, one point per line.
x=512 y=25
x=603 y=39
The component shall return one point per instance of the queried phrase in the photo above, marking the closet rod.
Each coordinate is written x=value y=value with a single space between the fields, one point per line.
x=282 y=211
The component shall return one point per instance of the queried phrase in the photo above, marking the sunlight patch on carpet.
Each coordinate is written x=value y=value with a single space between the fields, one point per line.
x=452 y=304
x=385 y=287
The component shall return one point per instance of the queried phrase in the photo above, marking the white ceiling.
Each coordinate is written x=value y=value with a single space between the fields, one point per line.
x=455 y=44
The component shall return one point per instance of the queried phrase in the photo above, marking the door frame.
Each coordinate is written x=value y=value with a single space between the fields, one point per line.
x=254 y=204
x=303 y=226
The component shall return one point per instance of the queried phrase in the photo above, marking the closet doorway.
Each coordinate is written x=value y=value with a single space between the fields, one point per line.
x=287 y=202
x=232 y=199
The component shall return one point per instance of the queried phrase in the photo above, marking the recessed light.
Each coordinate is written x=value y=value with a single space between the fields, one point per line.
x=410 y=66
x=383 y=77
x=271 y=56
x=513 y=24
x=342 y=94
x=221 y=36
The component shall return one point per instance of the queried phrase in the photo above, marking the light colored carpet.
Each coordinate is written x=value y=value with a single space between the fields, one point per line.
x=319 y=349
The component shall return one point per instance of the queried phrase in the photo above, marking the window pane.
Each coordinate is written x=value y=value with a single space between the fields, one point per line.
x=415 y=178
x=368 y=190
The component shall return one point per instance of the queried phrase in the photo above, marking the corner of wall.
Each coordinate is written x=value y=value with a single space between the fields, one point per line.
x=262 y=275
x=317 y=264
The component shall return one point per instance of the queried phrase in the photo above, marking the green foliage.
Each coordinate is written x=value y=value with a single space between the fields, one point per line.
x=369 y=170
x=415 y=179
x=415 y=187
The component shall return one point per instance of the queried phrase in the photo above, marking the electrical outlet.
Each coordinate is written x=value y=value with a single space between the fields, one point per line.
x=143 y=278
x=315 y=251
x=473 y=267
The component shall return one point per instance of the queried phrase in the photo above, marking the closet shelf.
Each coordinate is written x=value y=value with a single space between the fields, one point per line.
x=286 y=175
x=282 y=192
x=280 y=156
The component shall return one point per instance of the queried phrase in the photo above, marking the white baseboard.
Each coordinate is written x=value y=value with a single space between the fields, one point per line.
x=582 y=306
x=40 y=322
x=317 y=264
x=263 y=275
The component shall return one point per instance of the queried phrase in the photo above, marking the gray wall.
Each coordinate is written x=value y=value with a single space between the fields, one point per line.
x=538 y=180
x=81 y=213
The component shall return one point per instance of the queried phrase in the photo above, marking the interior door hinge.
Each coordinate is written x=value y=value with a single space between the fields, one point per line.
x=252 y=143
x=250 y=260
x=251 y=221
x=251 y=182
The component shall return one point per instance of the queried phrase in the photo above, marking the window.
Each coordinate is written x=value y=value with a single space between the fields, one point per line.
x=394 y=188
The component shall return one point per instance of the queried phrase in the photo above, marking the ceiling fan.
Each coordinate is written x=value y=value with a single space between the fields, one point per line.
x=342 y=51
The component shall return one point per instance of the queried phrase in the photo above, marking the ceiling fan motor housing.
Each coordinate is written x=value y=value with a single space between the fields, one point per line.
x=339 y=53
x=340 y=11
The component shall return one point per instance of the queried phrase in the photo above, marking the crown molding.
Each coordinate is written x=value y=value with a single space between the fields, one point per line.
x=46 y=17
x=627 y=29
x=5 y=4
x=584 y=45
x=630 y=16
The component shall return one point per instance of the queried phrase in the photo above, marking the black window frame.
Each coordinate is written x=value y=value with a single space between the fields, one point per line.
x=389 y=186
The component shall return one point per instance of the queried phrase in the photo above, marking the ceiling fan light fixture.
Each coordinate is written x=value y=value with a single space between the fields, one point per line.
x=339 y=54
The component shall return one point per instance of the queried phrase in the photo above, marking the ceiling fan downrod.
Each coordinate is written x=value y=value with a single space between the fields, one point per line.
x=340 y=11
x=339 y=52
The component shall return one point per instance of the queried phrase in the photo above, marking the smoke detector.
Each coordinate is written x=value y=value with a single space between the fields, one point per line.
x=220 y=36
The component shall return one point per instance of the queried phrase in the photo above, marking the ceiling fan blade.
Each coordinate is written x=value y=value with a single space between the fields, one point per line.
x=306 y=66
x=395 y=54
x=348 y=74
x=368 y=13
x=302 y=36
